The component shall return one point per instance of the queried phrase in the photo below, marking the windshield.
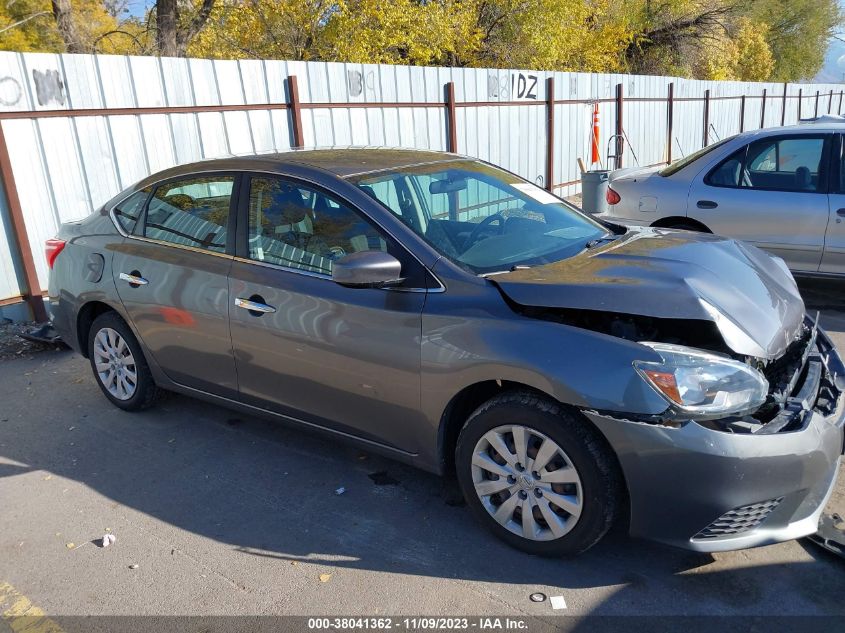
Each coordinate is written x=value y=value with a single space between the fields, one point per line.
x=686 y=160
x=480 y=217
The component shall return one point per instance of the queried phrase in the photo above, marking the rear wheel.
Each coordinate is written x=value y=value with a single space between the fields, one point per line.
x=538 y=475
x=118 y=364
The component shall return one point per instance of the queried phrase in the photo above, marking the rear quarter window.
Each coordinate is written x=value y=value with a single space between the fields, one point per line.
x=128 y=211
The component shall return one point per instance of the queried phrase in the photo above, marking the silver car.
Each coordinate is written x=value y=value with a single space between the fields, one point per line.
x=780 y=189
x=451 y=315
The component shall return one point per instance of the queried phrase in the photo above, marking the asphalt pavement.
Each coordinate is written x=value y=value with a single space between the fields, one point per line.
x=214 y=512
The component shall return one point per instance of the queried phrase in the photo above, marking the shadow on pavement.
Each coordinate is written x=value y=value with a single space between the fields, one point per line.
x=269 y=491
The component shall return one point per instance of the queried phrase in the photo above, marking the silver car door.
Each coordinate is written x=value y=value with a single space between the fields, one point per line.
x=773 y=193
x=833 y=260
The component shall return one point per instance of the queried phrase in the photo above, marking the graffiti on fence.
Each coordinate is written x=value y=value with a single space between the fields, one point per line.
x=10 y=91
x=357 y=81
x=49 y=87
x=512 y=86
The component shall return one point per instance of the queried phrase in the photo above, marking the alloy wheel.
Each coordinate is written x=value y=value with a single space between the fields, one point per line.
x=115 y=364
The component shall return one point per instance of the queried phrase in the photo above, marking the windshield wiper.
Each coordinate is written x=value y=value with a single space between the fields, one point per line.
x=512 y=269
x=599 y=240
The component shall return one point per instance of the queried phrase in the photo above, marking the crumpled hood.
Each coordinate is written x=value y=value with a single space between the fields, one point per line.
x=661 y=273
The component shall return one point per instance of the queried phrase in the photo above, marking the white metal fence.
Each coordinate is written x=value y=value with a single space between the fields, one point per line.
x=79 y=128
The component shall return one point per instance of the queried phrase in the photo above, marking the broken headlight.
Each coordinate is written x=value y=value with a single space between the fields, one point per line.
x=702 y=384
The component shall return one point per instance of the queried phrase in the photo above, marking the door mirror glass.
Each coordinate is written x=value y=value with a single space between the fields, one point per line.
x=367 y=269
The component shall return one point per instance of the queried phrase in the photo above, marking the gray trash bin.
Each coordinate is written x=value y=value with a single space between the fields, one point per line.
x=593 y=190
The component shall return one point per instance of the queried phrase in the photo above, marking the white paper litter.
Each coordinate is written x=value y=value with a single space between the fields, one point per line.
x=557 y=602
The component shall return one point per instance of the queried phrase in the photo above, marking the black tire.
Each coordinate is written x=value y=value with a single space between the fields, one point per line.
x=602 y=486
x=146 y=391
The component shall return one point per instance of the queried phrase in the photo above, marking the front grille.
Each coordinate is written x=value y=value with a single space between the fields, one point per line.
x=738 y=520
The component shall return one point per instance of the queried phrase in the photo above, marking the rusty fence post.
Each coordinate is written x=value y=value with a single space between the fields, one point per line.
x=839 y=109
x=452 y=123
x=800 y=102
x=670 y=119
x=295 y=111
x=830 y=102
x=817 y=104
x=32 y=292
x=550 y=133
x=742 y=113
x=783 y=105
x=620 y=141
x=706 y=138
x=763 y=110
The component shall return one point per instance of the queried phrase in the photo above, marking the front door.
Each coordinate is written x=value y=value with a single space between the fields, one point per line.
x=771 y=193
x=172 y=277
x=306 y=347
x=833 y=260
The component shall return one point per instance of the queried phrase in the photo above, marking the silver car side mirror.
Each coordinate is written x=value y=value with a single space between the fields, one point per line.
x=367 y=269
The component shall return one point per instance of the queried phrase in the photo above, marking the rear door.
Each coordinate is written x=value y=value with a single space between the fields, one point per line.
x=771 y=192
x=833 y=260
x=306 y=347
x=172 y=276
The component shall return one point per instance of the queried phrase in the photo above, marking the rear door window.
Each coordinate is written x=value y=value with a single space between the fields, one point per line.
x=191 y=212
x=796 y=163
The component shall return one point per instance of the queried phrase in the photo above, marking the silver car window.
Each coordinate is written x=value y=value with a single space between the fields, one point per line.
x=794 y=163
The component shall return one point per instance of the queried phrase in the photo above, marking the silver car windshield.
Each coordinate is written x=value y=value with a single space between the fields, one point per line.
x=480 y=217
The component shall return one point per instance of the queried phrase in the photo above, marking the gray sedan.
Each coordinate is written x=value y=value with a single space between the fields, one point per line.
x=780 y=189
x=449 y=314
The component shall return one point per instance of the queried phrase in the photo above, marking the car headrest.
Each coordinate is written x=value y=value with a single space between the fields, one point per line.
x=804 y=179
x=287 y=206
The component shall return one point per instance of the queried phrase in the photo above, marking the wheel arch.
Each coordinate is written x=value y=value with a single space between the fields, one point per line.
x=467 y=400
x=85 y=317
x=680 y=221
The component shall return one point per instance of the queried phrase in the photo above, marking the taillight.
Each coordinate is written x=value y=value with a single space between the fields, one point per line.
x=52 y=248
x=612 y=197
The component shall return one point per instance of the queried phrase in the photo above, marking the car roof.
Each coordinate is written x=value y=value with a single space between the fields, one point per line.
x=825 y=123
x=340 y=161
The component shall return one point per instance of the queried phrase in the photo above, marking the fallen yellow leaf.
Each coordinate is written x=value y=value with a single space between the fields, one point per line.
x=325 y=577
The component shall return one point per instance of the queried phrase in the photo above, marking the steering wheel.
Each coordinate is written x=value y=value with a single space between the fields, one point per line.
x=472 y=238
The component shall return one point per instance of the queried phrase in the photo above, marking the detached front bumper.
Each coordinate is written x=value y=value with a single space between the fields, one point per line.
x=710 y=490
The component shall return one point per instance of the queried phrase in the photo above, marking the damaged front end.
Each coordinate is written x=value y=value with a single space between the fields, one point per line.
x=803 y=379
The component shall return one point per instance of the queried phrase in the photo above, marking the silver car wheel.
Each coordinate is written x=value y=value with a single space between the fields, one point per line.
x=527 y=483
x=115 y=364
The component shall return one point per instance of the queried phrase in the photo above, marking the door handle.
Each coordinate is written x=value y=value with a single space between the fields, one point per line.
x=706 y=204
x=134 y=279
x=840 y=212
x=254 y=305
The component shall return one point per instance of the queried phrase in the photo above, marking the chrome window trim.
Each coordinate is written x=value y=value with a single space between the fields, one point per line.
x=441 y=287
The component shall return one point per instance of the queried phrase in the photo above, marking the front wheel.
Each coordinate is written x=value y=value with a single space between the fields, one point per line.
x=539 y=476
x=118 y=364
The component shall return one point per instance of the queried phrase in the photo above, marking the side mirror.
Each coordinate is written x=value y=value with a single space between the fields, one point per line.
x=367 y=269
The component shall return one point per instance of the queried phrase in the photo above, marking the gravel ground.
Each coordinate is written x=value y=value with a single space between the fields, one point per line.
x=13 y=346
